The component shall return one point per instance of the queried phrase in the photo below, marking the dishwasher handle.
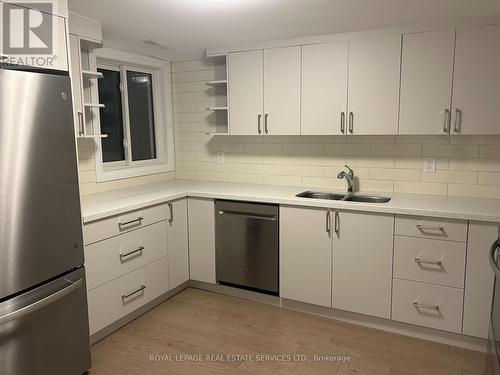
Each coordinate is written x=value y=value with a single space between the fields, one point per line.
x=248 y=215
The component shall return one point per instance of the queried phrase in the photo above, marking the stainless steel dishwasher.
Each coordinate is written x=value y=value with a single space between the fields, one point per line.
x=247 y=245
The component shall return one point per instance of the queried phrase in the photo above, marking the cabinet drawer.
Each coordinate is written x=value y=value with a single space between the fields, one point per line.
x=427 y=305
x=430 y=261
x=106 y=228
x=431 y=227
x=108 y=303
x=106 y=260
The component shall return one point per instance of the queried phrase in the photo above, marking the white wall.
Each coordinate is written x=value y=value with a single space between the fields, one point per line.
x=466 y=165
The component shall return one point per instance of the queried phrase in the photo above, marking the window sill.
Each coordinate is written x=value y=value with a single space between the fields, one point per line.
x=131 y=172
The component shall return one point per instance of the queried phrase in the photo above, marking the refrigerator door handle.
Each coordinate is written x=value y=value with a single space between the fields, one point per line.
x=41 y=303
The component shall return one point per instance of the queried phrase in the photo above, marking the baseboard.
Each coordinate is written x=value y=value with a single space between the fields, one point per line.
x=99 y=335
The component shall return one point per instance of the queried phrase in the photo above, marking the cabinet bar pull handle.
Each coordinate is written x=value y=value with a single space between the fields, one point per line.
x=171 y=210
x=447 y=119
x=337 y=222
x=342 y=122
x=265 y=123
x=138 y=250
x=423 y=228
x=125 y=296
x=259 y=128
x=328 y=222
x=138 y=220
x=458 y=119
x=351 y=122
x=423 y=261
x=428 y=307
x=81 y=129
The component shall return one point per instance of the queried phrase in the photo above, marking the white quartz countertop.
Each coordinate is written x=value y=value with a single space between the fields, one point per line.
x=101 y=205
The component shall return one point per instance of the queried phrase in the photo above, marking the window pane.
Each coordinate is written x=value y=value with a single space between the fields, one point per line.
x=111 y=116
x=141 y=114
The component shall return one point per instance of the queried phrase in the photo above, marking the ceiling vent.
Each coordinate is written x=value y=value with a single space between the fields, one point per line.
x=154 y=43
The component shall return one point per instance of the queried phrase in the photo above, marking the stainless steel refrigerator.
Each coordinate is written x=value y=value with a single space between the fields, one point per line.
x=43 y=302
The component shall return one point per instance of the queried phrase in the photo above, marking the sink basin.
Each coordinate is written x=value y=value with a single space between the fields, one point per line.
x=344 y=197
x=319 y=195
x=367 y=199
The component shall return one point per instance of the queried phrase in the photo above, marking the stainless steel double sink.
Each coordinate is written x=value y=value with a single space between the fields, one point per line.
x=349 y=197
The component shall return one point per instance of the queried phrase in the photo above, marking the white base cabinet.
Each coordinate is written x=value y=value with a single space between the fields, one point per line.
x=201 y=239
x=177 y=236
x=428 y=305
x=306 y=255
x=325 y=261
x=115 y=299
x=362 y=263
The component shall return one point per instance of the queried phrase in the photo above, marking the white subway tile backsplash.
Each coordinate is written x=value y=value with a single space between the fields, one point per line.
x=465 y=165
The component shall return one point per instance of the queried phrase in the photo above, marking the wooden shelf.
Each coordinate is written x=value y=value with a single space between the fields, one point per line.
x=94 y=105
x=217 y=83
x=91 y=75
x=217 y=108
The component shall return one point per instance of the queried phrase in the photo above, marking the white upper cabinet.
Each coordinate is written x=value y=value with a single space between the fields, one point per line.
x=374 y=75
x=476 y=94
x=246 y=92
x=426 y=81
x=362 y=263
x=282 y=67
x=324 y=88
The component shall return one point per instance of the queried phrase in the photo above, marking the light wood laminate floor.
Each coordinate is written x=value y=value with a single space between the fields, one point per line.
x=196 y=322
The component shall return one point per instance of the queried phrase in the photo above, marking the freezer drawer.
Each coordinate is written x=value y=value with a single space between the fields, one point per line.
x=46 y=331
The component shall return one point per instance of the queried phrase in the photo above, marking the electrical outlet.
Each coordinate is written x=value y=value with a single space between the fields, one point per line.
x=430 y=166
x=220 y=157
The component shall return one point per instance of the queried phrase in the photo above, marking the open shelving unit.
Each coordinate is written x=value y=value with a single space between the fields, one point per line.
x=218 y=90
x=85 y=87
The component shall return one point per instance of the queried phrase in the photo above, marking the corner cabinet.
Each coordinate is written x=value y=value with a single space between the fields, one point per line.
x=325 y=261
x=264 y=91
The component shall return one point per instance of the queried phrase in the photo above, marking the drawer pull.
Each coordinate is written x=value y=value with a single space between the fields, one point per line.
x=125 y=296
x=427 y=307
x=171 y=211
x=423 y=228
x=138 y=220
x=433 y=262
x=138 y=250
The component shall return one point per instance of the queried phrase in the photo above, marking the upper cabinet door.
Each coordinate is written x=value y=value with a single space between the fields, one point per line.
x=324 y=88
x=426 y=81
x=246 y=92
x=282 y=91
x=374 y=75
x=476 y=94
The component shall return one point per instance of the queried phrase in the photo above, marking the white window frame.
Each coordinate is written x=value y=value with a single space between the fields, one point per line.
x=162 y=106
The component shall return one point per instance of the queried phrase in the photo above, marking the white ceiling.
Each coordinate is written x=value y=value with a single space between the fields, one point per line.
x=189 y=26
